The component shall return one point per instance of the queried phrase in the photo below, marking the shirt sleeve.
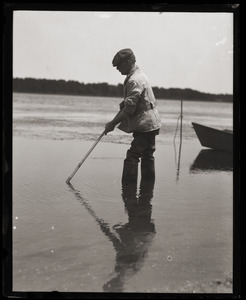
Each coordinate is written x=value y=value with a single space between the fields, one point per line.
x=133 y=94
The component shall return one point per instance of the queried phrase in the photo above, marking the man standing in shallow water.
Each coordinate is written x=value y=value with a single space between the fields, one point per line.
x=138 y=115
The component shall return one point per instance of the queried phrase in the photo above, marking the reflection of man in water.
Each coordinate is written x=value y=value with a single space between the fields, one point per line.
x=135 y=237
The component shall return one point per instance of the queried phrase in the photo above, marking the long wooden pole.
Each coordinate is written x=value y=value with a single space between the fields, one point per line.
x=87 y=154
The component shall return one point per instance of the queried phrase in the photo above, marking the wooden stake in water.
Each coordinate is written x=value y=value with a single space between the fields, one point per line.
x=87 y=154
x=180 y=141
x=181 y=124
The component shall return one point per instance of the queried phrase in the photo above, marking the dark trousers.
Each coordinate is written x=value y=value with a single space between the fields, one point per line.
x=142 y=147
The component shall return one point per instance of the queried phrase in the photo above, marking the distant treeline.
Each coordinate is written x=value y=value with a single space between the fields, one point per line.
x=63 y=87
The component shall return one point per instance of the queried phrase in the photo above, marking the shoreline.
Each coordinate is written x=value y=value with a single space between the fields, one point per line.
x=119 y=97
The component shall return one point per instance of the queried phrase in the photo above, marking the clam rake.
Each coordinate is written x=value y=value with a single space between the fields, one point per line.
x=88 y=153
x=85 y=157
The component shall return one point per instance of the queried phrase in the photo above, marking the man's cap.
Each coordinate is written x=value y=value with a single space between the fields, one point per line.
x=122 y=55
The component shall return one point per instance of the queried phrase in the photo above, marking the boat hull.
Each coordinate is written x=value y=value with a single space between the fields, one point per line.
x=214 y=138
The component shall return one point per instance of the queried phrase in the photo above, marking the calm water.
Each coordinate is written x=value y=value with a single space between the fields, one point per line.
x=172 y=237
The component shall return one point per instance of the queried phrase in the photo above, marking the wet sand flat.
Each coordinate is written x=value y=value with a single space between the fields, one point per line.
x=91 y=237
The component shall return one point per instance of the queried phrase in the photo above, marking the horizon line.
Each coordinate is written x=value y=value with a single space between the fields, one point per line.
x=153 y=86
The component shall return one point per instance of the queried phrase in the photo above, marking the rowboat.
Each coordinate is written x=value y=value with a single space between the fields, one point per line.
x=214 y=138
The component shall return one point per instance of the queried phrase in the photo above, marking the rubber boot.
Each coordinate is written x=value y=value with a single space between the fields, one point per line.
x=148 y=169
x=129 y=174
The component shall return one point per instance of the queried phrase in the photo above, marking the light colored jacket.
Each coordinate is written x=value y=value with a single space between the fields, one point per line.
x=139 y=104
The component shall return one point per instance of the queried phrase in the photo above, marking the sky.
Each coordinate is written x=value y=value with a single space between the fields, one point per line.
x=175 y=50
